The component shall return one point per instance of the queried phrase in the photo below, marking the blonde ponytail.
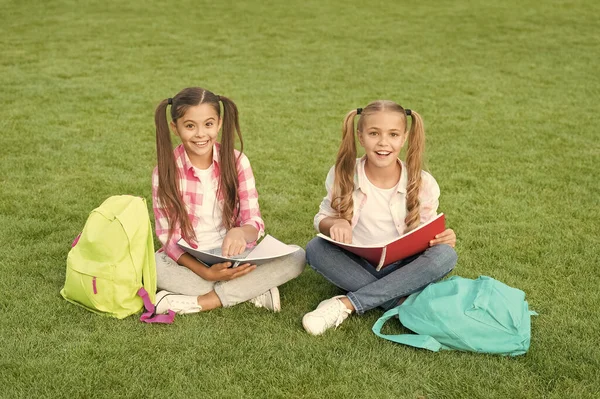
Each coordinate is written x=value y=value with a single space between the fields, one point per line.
x=343 y=184
x=414 y=165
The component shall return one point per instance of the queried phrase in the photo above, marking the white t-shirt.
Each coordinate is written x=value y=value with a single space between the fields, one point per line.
x=375 y=224
x=210 y=231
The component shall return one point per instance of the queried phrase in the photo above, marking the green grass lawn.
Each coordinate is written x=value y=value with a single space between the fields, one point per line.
x=508 y=92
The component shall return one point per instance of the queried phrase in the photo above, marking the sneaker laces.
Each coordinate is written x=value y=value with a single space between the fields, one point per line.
x=178 y=303
x=259 y=300
x=338 y=315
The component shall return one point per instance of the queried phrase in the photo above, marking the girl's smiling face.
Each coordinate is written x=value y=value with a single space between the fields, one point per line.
x=382 y=135
x=198 y=129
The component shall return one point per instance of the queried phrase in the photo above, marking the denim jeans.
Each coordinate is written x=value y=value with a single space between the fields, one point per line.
x=367 y=288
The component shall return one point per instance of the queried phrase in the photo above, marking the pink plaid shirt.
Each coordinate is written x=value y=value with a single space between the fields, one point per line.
x=191 y=190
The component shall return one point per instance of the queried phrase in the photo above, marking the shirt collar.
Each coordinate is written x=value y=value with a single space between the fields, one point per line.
x=186 y=164
x=360 y=177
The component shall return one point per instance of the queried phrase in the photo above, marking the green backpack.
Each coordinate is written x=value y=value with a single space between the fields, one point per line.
x=482 y=315
x=111 y=265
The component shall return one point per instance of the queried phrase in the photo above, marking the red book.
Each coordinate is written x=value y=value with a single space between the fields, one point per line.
x=411 y=243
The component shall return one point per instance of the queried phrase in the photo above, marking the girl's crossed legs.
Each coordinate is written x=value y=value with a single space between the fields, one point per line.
x=367 y=288
x=179 y=279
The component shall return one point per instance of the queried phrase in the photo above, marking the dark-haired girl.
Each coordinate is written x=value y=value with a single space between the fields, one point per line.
x=204 y=192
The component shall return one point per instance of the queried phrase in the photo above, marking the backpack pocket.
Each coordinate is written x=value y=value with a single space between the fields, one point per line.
x=496 y=305
x=93 y=289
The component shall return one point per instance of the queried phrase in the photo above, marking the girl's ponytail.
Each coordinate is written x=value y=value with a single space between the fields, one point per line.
x=168 y=187
x=228 y=183
x=343 y=184
x=414 y=165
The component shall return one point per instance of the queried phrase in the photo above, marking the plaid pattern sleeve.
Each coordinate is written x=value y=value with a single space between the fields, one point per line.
x=249 y=210
x=162 y=224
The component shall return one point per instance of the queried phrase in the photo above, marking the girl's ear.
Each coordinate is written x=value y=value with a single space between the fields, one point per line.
x=174 y=128
x=220 y=124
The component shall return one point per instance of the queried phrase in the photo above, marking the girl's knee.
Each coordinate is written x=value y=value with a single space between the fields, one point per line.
x=445 y=257
x=312 y=245
x=163 y=260
x=297 y=263
x=314 y=249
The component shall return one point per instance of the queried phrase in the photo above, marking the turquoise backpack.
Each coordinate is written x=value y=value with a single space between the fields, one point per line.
x=482 y=315
x=111 y=268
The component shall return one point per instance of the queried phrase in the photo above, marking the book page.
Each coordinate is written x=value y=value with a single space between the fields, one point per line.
x=323 y=236
x=268 y=248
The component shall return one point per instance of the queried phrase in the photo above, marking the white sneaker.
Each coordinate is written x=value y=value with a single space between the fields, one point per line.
x=269 y=299
x=180 y=304
x=330 y=313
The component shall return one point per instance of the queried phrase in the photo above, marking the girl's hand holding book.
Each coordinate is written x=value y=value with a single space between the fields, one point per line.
x=446 y=237
x=224 y=271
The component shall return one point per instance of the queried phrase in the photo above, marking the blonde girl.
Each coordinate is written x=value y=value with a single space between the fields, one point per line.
x=373 y=199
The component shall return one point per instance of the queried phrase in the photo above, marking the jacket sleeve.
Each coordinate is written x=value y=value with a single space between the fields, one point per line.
x=429 y=196
x=325 y=209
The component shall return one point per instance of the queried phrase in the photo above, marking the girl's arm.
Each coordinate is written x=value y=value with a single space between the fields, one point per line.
x=249 y=219
x=429 y=198
x=326 y=221
x=338 y=229
x=217 y=272
x=325 y=209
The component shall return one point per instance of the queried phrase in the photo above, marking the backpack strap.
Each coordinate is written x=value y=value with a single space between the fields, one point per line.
x=150 y=316
x=418 y=341
x=149 y=266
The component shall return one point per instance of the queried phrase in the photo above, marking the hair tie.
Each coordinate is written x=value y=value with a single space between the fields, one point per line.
x=358 y=111
x=408 y=112
x=170 y=101
x=218 y=98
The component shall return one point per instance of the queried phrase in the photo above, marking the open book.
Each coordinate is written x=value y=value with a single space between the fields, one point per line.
x=411 y=243
x=267 y=249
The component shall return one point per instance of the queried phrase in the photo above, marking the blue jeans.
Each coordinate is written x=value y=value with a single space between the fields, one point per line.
x=368 y=288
